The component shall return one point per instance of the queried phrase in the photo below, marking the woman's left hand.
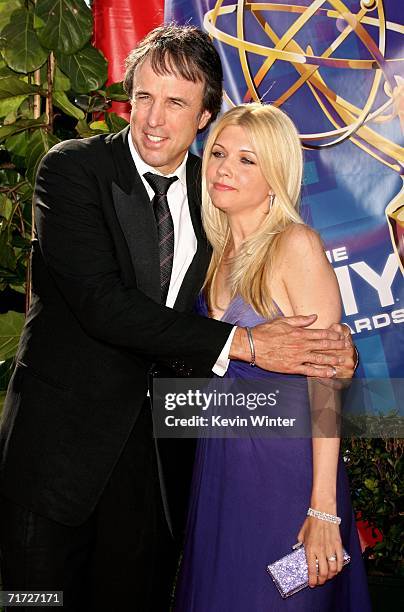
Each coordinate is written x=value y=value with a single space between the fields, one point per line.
x=322 y=543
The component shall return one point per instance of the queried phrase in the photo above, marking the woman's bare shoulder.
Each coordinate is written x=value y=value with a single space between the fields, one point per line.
x=300 y=239
x=307 y=275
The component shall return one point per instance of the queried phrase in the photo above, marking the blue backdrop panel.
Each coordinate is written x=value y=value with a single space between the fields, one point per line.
x=336 y=67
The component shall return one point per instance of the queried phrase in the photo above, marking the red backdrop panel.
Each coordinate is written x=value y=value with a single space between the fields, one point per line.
x=118 y=26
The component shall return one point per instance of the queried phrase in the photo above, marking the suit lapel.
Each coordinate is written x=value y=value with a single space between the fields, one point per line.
x=136 y=219
x=195 y=274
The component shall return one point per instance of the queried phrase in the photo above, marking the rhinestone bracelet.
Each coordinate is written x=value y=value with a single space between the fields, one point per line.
x=323 y=516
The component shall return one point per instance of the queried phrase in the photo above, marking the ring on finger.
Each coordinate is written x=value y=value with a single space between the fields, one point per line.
x=332 y=558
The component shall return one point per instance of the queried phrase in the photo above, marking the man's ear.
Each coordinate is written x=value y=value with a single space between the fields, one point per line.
x=204 y=119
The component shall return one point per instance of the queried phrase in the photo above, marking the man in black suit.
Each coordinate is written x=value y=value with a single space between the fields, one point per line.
x=81 y=509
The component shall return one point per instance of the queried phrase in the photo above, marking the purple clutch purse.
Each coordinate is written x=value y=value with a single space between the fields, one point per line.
x=290 y=573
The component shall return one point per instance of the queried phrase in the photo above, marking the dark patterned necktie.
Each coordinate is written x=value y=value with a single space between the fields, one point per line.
x=165 y=227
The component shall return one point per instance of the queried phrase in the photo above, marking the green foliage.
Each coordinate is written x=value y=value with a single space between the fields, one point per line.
x=376 y=473
x=114 y=122
x=39 y=143
x=7 y=8
x=116 y=92
x=22 y=50
x=6 y=369
x=2 y=399
x=87 y=69
x=20 y=125
x=60 y=81
x=61 y=100
x=13 y=86
x=63 y=25
x=10 y=330
x=387 y=425
x=52 y=81
x=13 y=91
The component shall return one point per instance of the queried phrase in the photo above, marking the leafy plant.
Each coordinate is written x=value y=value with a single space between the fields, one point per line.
x=376 y=471
x=52 y=81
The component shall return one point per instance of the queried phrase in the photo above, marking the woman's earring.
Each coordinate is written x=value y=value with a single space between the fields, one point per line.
x=271 y=201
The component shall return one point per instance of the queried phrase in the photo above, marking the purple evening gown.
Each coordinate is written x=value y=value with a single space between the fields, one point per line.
x=249 y=499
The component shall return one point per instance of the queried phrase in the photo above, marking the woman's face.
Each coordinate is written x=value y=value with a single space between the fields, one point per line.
x=234 y=179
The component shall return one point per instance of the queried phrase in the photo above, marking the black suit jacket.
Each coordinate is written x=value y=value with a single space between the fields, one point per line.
x=95 y=327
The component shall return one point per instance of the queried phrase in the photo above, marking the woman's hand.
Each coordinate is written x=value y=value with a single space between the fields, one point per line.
x=321 y=540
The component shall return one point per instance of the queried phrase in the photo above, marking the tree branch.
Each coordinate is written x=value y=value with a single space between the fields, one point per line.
x=37 y=97
x=49 y=103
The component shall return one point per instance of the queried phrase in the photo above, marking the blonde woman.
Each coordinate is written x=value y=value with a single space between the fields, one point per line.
x=250 y=496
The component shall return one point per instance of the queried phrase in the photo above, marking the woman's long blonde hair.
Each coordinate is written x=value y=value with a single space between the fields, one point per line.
x=276 y=143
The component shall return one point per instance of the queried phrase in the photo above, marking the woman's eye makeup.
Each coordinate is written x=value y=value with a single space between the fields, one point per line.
x=219 y=153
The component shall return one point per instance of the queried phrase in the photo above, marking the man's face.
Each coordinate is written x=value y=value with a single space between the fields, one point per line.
x=166 y=115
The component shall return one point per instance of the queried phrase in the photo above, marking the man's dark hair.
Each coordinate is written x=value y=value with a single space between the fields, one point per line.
x=183 y=51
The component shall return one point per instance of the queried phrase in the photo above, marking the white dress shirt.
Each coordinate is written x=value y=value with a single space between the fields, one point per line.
x=185 y=243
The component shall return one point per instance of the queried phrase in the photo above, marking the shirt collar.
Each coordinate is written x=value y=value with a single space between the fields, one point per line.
x=142 y=167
